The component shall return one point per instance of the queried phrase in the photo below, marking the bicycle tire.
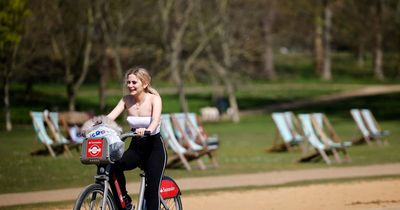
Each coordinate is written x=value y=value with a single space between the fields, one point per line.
x=173 y=203
x=86 y=200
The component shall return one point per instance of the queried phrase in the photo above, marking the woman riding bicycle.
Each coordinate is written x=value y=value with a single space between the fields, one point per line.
x=143 y=105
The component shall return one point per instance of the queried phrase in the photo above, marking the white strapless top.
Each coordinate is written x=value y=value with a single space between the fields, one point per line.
x=141 y=122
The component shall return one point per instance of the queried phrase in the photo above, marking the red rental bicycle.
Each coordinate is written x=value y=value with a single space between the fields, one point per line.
x=100 y=196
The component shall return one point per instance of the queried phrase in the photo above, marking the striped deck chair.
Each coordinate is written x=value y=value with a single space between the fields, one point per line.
x=187 y=137
x=285 y=132
x=375 y=130
x=52 y=121
x=195 y=124
x=328 y=135
x=362 y=127
x=322 y=150
x=42 y=135
x=182 y=155
x=185 y=131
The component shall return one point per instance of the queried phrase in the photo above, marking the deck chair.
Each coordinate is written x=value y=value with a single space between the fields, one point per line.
x=51 y=119
x=328 y=135
x=51 y=145
x=195 y=123
x=187 y=135
x=181 y=156
x=375 y=131
x=322 y=150
x=285 y=132
x=362 y=127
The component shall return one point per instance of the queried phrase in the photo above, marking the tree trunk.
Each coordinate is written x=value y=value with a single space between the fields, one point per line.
x=222 y=70
x=7 y=109
x=176 y=74
x=182 y=17
x=111 y=43
x=223 y=74
x=326 y=72
x=71 y=96
x=103 y=84
x=360 y=56
x=268 y=21
x=318 y=46
x=10 y=66
x=378 y=52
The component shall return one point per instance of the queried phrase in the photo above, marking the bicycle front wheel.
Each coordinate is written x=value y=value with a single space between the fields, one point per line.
x=92 y=198
x=173 y=203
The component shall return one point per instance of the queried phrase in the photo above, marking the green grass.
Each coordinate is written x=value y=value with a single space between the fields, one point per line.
x=242 y=151
x=242 y=147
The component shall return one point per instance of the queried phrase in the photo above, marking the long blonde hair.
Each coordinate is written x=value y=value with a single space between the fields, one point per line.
x=143 y=75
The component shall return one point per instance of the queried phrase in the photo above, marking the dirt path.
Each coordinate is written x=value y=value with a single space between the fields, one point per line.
x=219 y=182
x=344 y=196
x=365 y=91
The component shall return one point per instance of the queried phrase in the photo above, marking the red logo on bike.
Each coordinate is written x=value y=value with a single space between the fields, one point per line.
x=94 y=148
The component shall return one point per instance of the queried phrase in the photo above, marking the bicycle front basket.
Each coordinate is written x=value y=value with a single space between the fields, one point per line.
x=95 y=151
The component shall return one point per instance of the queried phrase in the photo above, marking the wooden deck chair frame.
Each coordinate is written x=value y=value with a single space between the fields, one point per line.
x=284 y=132
x=373 y=126
x=179 y=122
x=182 y=155
x=51 y=119
x=322 y=150
x=38 y=122
x=361 y=126
x=328 y=135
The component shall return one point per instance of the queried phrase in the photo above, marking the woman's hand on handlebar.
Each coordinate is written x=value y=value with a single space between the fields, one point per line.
x=134 y=134
x=142 y=131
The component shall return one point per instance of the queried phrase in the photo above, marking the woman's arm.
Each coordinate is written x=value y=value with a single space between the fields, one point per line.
x=118 y=109
x=156 y=113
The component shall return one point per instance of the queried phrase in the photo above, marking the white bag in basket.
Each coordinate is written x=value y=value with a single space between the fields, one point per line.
x=116 y=146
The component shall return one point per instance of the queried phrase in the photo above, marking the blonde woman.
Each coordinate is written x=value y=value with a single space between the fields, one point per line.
x=143 y=106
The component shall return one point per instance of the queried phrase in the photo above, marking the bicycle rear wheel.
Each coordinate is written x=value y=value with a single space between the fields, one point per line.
x=173 y=203
x=92 y=197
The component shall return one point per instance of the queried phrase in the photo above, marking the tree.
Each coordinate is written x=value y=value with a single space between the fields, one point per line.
x=71 y=32
x=12 y=16
x=318 y=59
x=110 y=18
x=326 y=67
x=267 y=23
x=221 y=62
x=378 y=37
x=175 y=16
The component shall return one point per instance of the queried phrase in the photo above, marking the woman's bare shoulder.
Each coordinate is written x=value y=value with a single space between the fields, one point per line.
x=154 y=97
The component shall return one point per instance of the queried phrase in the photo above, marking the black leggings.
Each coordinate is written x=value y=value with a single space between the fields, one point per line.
x=149 y=154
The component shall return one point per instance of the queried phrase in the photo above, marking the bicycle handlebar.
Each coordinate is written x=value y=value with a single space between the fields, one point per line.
x=133 y=134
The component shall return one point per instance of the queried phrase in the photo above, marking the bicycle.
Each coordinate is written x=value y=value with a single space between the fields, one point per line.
x=100 y=195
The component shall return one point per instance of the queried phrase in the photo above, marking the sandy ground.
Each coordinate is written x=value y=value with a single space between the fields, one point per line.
x=383 y=194
x=375 y=195
x=267 y=191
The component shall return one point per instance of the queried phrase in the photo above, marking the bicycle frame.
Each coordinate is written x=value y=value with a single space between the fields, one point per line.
x=168 y=187
x=95 y=151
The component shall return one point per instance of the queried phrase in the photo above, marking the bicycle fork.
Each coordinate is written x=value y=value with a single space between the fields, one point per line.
x=106 y=187
x=141 y=191
x=103 y=178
